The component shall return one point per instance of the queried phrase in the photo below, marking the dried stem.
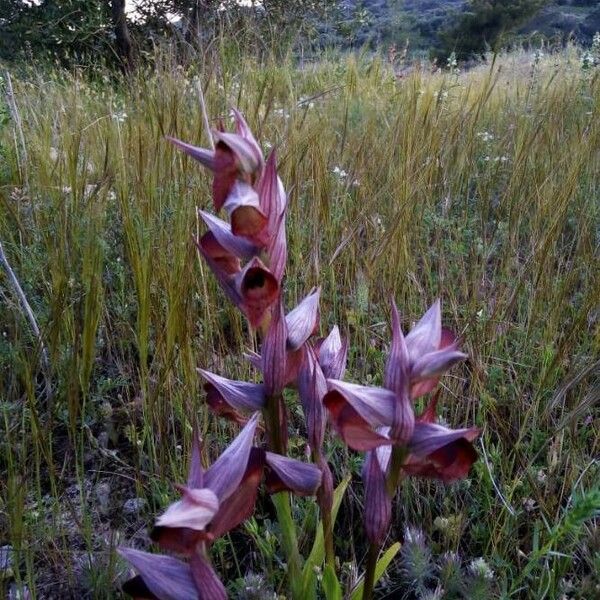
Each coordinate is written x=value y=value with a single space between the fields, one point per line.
x=26 y=308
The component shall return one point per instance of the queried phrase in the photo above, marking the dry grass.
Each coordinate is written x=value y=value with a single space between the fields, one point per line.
x=481 y=188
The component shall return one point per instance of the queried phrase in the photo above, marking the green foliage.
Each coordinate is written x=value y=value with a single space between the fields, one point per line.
x=485 y=25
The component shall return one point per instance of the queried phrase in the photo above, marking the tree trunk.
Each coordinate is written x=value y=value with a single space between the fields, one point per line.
x=124 y=46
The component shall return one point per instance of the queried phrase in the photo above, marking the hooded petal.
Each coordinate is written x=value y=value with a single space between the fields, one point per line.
x=434 y=364
x=246 y=154
x=303 y=321
x=272 y=195
x=194 y=511
x=208 y=584
x=257 y=289
x=375 y=405
x=430 y=437
x=226 y=473
x=240 y=505
x=274 y=353
x=232 y=244
x=312 y=388
x=397 y=366
x=221 y=258
x=223 y=268
x=226 y=173
x=202 y=155
x=239 y=395
x=449 y=463
x=247 y=219
x=165 y=577
x=333 y=353
x=378 y=504
x=426 y=335
x=397 y=380
x=242 y=128
x=350 y=425
x=292 y=475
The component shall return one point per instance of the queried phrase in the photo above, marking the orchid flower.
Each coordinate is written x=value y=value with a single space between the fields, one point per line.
x=253 y=196
x=213 y=502
x=378 y=419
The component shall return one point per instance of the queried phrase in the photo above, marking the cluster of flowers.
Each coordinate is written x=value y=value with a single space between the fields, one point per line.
x=248 y=257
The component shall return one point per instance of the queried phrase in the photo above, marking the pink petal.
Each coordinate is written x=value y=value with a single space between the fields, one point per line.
x=231 y=243
x=239 y=395
x=351 y=426
x=375 y=405
x=333 y=353
x=194 y=511
x=202 y=155
x=377 y=504
x=218 y=257
x=303 y=320
x=247 y=155
x=397 y=366
x=208 y=584
x=242 y=129
x=426 y=335
x=272 y=195
x=222 y=271
x=166 y=577
x=277 y=250
x=434 y=364
x=226 y=473
x=274 y=353
x=292 y=475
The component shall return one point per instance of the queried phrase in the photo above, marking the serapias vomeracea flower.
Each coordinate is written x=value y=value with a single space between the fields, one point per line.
x=253 y=196
x=378 y=419
x=212 y=503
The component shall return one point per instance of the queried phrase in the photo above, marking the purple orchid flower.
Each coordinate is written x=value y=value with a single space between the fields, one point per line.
x=253 y=196
x=376 y=419
x=213 y=502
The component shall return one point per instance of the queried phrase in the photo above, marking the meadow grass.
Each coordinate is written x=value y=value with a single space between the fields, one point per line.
x=482 y=188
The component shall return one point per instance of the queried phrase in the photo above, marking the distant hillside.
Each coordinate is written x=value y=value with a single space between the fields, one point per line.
x=420 y=21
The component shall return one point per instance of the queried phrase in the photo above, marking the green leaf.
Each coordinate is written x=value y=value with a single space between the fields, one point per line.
x=317 y=554
x=382 y=564
x=331 y=585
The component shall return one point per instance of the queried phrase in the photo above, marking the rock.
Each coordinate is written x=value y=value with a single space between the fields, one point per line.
x=102 y=493
x=133 y=506
x=6 y=562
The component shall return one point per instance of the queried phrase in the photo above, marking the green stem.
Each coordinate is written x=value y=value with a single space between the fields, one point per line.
x=370 y=571
x=328 y=536
x=289 y=541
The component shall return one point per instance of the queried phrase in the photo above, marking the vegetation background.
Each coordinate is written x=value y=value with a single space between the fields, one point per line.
x=409 y=173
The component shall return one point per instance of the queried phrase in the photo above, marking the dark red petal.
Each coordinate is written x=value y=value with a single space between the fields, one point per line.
x=449 y=463
x=352 y=428
x=181 y=540
x=226 y=174
x=222 y=258
x=240 y=504
x=258 y=290
x=247 y=219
